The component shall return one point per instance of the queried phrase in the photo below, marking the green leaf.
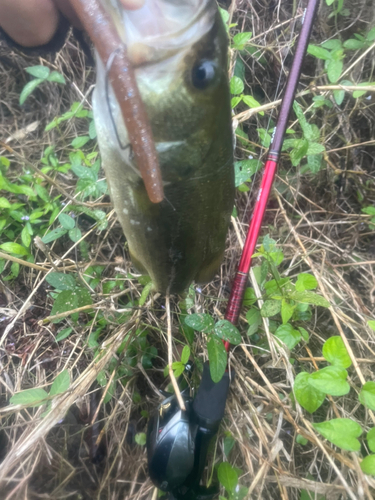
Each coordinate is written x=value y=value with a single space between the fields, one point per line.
x=75 y=234
x=334 y=70
x=300 y=150
x=236 y=85
x=4 y=203
x=200 y=322
x=241 y=39
x=217 y=356
x=67 y=300
x=227 y=476
x=304 y=333
x=369 y=210
x=244 y=170
x=63 y=334
x=353 y=44
x=92 y=130
x=301 y=440
x=332 y=44
x=318 y=52
x=61 y=383
x=185 y=355
x=342 y=432
x=288 y=335
x=79 y=142
x=54 y=235
x=371 y=324
x=25 y=237
x=249 y=297
x=270 y=308
x=339 y=96
x=31 y=398
x=335 y=352
x=56 y=77
x=140 y=438
x=229 y=442
x=286 y=311
x=314 y=149
x=307 y=396
x=28 y=89
x=310 y=298
x=226 y=331
x=368 y=465
x=371 y=439
x=250 y=101
x=14 y=248
x=39 y=71
x=61 y=281
x=331 y=380
x=178 y=368
x=367 y=395
x=66 y=221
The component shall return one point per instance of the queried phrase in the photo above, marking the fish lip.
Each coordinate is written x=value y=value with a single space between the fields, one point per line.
x=143 y=48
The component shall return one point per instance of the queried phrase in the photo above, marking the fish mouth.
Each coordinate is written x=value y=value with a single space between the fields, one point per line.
x=161 y=28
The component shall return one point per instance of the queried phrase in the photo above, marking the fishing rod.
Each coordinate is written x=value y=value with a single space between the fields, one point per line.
x=177 y=440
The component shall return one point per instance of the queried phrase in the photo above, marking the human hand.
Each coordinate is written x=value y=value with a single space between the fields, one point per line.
x=32 y=23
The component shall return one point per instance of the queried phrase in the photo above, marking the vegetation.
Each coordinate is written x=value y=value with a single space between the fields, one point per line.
x=83 y=338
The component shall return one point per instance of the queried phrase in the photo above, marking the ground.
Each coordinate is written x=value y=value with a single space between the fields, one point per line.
x=110 y=356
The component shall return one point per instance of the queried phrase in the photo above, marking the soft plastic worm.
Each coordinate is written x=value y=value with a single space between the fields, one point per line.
x=106 y=40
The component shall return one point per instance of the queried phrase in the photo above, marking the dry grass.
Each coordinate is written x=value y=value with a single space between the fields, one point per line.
x=317 y=222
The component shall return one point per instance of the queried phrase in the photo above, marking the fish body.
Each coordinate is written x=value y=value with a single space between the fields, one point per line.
x=178 y=49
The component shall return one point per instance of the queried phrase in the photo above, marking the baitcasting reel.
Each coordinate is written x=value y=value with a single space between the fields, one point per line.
x=177 y=441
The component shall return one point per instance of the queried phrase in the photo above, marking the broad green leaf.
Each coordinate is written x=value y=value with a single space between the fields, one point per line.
x=140 y=438
x=332 y=44
x=75 y=234
x=25 y=237
x=66 y=221
x=39 y=71
x=335 y=352
x=250 y=101
x=368 y=465
x=235 y=101
x=244 y=170
x=334 y=70
x=331 y=380
x=61 y=383
x=67 y=300
x=300 y=150
x=240 y=493
x=310 y=298
x=301 y=440
x=304 y=333
x=178 y=368
x=4 y=203
x=14 y=248
x=226 y=331
x=371 y=439
x=369 y=210
x=288 y=335
x=367 y=395
x=29 y=89
x=241 y=39
x=92 y=130
x=61 y=281
x=339 y=96
x=286 y=311
x=31 y=398
x=270 y=308
x=371 y=324
x=227 y=476
x=185 y=355
x=314 y=148
x=353 y=44
x=200 y=322
x=83 y=298
x=236 y=85
x=342 y=432
x=217 y=356
x=54 y=235
x=318 y=52
x=229 y=442
x=314 y=163
x=249 y=297
x=370 y=37
x=56 y=77
x=63 y=334
x=79 y=142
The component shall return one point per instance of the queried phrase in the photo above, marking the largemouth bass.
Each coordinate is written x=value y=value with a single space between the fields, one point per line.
x=178 y=49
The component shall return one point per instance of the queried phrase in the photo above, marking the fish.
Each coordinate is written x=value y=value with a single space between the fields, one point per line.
x=179 y=53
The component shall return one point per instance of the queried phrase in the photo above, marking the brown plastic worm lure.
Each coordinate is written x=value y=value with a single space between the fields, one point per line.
x=107 y=43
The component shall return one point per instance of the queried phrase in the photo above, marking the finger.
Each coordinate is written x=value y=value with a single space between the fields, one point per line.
x=29 y=22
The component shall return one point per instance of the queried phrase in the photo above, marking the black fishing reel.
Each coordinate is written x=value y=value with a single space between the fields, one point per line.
x=178 y=441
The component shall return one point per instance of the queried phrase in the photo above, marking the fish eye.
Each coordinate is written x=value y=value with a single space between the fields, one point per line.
x=203 y=74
